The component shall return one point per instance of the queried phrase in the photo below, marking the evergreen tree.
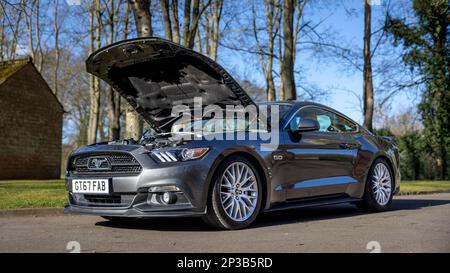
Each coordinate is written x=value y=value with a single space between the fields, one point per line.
x=426 y=44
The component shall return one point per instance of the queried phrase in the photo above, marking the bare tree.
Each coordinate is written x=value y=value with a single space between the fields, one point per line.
x=272 y=12
x=287 y=75
x=32 y=16
x=191 y=21
x=186 y=22
x=368 y=81
x=114 y=107
x=175 y=22
x=56 y=66
x=211 y=27
x=126 y=21
x=29 y=23
x=2 y=31
x=192 y=12
x=94 y=85
x=280 y=53
x=166 y=17
x=142 y=17
x=40 y=61
x=8 y=45
x=143 y=20
x=277 y=28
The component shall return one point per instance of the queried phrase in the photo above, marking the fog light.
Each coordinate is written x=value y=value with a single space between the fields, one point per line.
x=169 y=198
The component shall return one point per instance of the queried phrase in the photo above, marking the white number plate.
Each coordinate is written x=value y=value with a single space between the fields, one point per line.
x=90 y=186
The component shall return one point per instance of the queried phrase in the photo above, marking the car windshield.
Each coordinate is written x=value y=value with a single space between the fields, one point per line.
x=213 y=125
x=235 y=123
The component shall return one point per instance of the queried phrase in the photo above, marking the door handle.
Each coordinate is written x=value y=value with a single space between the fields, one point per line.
x=344 y=146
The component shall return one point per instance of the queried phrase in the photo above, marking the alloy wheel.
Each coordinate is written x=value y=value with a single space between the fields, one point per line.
x=381 y=184
x=239 y=191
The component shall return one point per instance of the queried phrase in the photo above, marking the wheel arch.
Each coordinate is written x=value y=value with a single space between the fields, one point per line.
x=390 y=165
x=257 y=161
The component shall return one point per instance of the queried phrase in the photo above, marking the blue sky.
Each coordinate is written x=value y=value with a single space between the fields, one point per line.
x=345 y=19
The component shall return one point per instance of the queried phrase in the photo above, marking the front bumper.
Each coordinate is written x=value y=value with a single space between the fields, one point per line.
x=130 y=197
x=129 y=194
x=143 y=204
x=130 y=212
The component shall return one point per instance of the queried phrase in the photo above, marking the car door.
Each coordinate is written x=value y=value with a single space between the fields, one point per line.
x=317 y=163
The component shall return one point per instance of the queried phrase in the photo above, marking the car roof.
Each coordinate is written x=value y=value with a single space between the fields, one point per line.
x=298 y=104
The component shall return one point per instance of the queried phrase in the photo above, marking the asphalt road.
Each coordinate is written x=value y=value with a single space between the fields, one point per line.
x=416 y=224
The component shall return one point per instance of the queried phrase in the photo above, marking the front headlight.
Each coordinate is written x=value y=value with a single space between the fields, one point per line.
x=176 y=155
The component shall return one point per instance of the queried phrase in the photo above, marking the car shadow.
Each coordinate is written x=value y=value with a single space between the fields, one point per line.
x=337 y=211
x=163 y=224
x=193 y=224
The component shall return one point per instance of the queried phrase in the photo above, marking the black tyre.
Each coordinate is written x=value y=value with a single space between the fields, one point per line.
x=234 y=199
x=379 y=187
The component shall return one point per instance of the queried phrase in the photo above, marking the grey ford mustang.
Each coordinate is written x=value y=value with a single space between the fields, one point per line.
x=319 y=156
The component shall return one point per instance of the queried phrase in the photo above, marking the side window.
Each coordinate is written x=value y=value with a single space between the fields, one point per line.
x=328 y=121
x=324 y=121
x=345 y=125
x=314 y=114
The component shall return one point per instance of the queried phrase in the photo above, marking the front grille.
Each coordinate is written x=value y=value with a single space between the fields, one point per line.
x=104 y=164
x=102 y=199
x=97 y=200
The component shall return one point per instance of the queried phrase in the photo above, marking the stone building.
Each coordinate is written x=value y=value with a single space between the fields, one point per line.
x=30 y=123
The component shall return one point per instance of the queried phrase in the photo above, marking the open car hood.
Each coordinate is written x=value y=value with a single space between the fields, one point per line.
x=154 y=75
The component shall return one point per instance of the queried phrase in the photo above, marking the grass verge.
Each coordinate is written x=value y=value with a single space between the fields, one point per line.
x=32 y=194
x=424 y=186
x=52 y=193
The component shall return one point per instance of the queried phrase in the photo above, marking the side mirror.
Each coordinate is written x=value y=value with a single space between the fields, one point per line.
x=307 y=125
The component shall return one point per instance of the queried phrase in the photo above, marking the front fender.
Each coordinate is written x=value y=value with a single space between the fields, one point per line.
x=251 y=153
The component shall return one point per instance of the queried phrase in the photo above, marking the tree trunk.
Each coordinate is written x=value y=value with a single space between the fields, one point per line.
x=29 y=25
x=126 y=21
x=94 y=84
x=175 y=22
x=143 y=19
x=217 y=14
x=271 y=11
x=114 y=97
x=287 y=76
x=40 y=61
x=2 y=35
x=194 y=24
x=299 y=6
x=56 y=29
x=101 y=126
x=368 y=83
x=12 y=51
x=186 y=22
x=442 y=79
x=166 y=18
x=208 y=30
x=280 y=54
x=198 y=42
